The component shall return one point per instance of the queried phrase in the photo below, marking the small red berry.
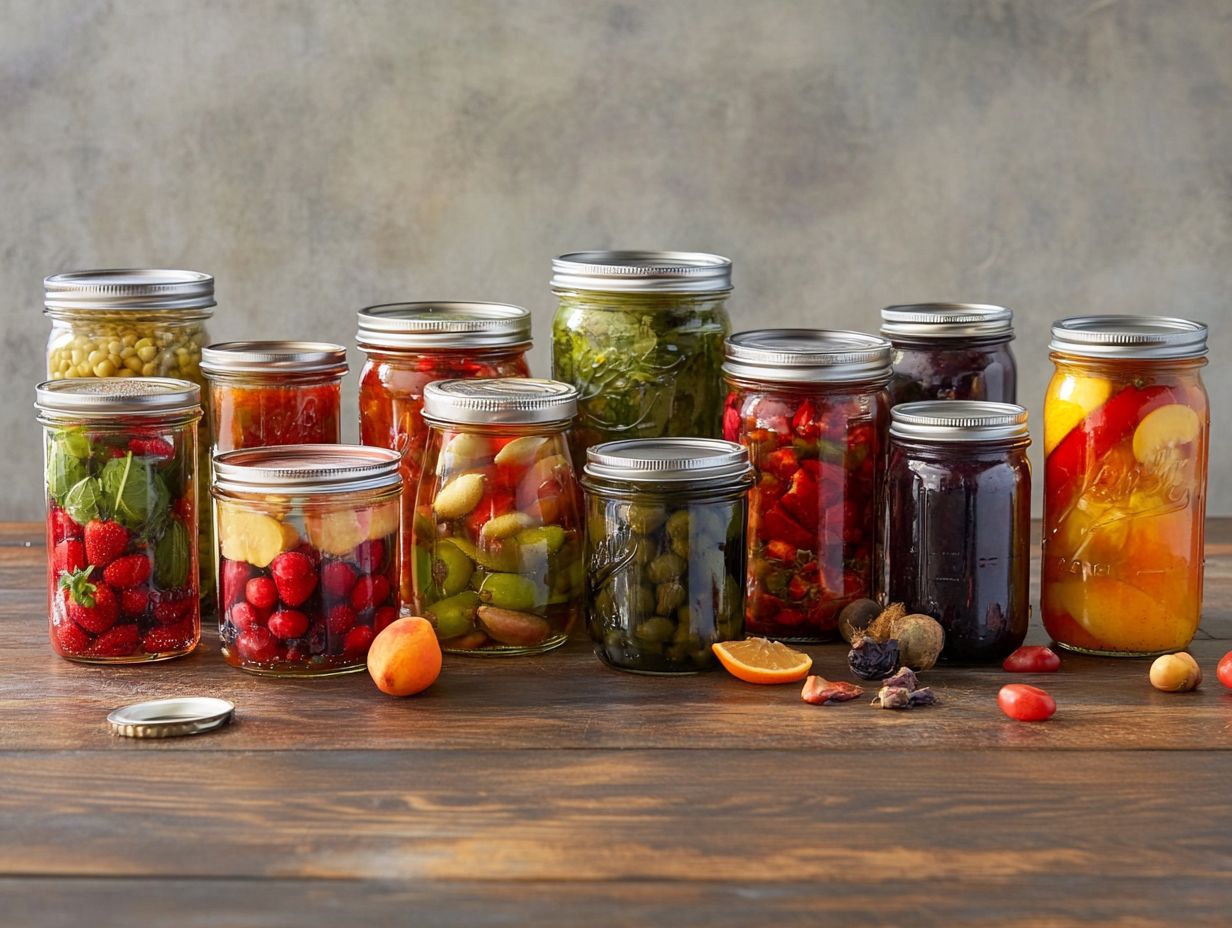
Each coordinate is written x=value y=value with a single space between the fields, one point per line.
x=171 y=605
x=163 y=639
x=385 y=616
x=341 y=619
x=288 y=623
x=1026 y=703
x=357 y=641
x=261 y=592
x=105 y=541
x=119 y=641
x=1032 y=659
x=71 y=638
x=127 y=571
x=295 y=577
x=369 y=555
x=337 y=579
x=257 y=646
x=243 y=616
x=235 y=575
x=369 y=592
x=133 y=602
x=151 y=447
x=1223 y=671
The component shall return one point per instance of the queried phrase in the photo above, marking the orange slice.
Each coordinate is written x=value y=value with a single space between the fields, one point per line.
x=1164 y=428
x=757 y=660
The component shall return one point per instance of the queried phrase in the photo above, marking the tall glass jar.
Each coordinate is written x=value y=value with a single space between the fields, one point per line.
x=135 y=322
x=409 y=345
x=121 y=478
x=951 y=351
x=497 y=530
x=307 y=555
x=665 y=550
x=812 y=408
x=640 y=334
x=958 y=523
x=274 y=393
x=1126 y=431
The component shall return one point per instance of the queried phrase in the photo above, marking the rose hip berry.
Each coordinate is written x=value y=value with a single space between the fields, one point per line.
x=244 y=616
x=1032 y=659
x=337 y=579
x=369 y=592
x=257 y=645
x=341 y=619
x=295 y=576
x=288 y=623
x=357 y=640
x=261 y=592
x=1025 y=703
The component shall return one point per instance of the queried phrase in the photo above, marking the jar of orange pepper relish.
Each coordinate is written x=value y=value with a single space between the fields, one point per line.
x=409 y=345
x=1126 y=428
x=266 y=393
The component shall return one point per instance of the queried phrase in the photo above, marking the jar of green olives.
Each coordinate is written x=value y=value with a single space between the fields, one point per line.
x=665 y=548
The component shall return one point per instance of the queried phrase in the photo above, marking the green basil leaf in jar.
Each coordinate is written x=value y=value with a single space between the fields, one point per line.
x=171 y=556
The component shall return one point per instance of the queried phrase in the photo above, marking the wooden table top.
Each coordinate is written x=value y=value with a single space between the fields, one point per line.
x=551 y=791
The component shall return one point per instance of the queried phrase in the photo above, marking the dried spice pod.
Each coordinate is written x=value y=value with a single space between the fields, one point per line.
x=873 y=660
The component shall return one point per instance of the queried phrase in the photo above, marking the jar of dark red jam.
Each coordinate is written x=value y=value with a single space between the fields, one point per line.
x=274 y=393
x=958 y=523
x=811 y=407
x=951 y=351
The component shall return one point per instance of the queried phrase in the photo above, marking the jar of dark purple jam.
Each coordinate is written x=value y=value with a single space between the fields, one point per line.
x=957 y=542
x=951 y=351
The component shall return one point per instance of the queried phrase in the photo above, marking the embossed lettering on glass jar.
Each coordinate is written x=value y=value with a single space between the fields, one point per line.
x=1126 y=433
x=951 y=351
x=121 y=477
x=307 y=555
x=958 y=523
x=812 y=408
x=497 y=528
x=640 y=334
x=665 y=548
x=409 y=345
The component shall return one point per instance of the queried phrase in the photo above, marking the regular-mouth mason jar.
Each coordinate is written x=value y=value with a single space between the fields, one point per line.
x=1126 y=433
x=120 y=466
x=951 y=351
x=640 y=334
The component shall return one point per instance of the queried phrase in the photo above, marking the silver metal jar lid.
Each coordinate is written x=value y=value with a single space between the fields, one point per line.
x=169 y=718
x=947 y=320
x=274 y=358
x=642 y=272
x=958 y=421
x=110 y=396
x=668 y=460
x=1146 y=337
x=499 y=401
x=431 y=325
x=807 y=355
x=307 y=469
x=135 y=289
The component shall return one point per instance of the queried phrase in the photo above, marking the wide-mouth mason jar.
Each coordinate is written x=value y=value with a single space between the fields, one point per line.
x=498 y=560
x=951 y=351
x=120 y=467
x=1126 y=434
x=811 y=406
x=408 y=346
x=307 y=555
x=640 y=334
x=958 y=523
x=274 y=393
x=665 y=526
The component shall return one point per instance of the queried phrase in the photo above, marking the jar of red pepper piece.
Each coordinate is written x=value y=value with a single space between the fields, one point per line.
x=812 y=407
x=409 y=345
x=274 y=393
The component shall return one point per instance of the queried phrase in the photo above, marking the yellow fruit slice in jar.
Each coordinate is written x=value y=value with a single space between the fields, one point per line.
x=336 y=532
x=383 y=520
x=520 y=451
x=1071 y=399
x=249 y=536
x=459 y=496
x=1120 y=616
x=290 y=536
x=1163 y=429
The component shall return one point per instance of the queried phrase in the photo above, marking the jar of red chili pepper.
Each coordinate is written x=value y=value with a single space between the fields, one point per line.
x=121 y=476
x=812 y=407
x=274 y=393
x=951 y=351
x=409 y=345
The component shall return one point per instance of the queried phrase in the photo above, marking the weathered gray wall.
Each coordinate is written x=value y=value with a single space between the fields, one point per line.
x=1059 y=157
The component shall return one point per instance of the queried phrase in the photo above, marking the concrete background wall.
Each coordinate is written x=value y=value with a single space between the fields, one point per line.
x=1058 y=157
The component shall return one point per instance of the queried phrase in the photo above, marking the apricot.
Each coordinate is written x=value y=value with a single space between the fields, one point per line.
x=1176 y=673
x=405 y=658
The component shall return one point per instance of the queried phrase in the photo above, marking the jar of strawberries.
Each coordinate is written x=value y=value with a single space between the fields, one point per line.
x=812 y=407
x=121 y=477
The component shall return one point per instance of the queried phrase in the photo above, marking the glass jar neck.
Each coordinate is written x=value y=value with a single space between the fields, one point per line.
x=440 y=428
x=961 y=450
x=159 y=316
x=486 y=353
x=1126 y=367
x=949 y=342
x=676 y=491
x=611 y=299
x=124 y=421
x=273 y=379
x=808 y=388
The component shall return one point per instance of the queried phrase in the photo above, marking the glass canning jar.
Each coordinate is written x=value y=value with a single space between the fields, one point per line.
x=409 y=345
x=640 y=334
x=274 y=393
x=307 y=555
x=121 y=473
x=958 y=523
x=812 y=408
x=1126 y=432
x=497 y=530
x=665 y=551
x=951 y=351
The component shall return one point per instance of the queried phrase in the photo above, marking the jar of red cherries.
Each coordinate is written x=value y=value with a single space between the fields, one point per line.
x=812 y=407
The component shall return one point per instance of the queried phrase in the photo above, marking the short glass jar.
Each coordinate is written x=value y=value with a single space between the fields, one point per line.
x=951 y=351
x=274 y=393
x=409 y=345
x=958 y=523
x=497 y=531
x=307 y=555
x=1126 y=434
x=665 y=522
x=640 y=334
x=121 y=478
x=812 y=408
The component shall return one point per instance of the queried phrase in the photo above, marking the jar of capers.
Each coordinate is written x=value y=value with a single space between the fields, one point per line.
x=665 y=543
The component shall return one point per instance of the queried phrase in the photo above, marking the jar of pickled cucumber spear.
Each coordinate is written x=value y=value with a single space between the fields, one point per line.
x=665 y=543
x=135 y=322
